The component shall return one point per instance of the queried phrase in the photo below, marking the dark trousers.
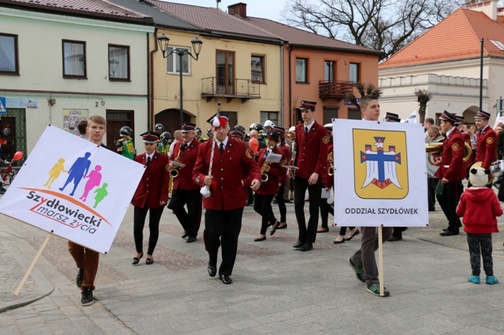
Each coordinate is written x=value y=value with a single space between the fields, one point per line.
x=448 y=200
x=222 y=228
x=431 y=192
x=87 y=260
x=280 y=198
x=307 y=233
x=139 y=215
x=262 y=206
x=480 y=246
x=365 y=256
x=190 y=219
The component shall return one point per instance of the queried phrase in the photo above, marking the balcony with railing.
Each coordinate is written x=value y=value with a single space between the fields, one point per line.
x=334 y=89
x=230 y=88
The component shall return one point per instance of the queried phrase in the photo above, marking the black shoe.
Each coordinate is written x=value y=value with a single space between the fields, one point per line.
x=358 y=271
x=287 y=201
x=79 y=278
x=394 y=239
x=259 y=239
x=149 y=261
x=191 y=239
x=298 y=244
x=307 y=246
x=449 y=233
x=225 y=279
x=184 y=235
x=282 y=225
x=275 y=227
x=137 y=259
x=212 y=270
x=87 y=297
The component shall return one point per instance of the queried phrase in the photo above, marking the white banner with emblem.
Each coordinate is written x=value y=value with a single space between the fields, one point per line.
x=74 y=189
x=380 y=174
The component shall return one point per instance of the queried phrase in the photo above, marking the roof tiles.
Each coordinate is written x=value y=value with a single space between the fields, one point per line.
x=456 y=37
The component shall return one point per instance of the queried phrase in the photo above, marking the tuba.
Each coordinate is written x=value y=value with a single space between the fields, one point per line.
x=330 y=162
x=435 y=149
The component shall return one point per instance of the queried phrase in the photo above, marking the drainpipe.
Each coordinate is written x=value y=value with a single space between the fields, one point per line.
x=291 y=123
x=150 y=80
x=282 y=71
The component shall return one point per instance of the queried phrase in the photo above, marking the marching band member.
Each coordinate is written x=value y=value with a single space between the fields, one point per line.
x=271 y=174
x=311 y=157
x=220 y=166
x=185 y=191
x=283 y=193
x=451 y=172
x=486 y=140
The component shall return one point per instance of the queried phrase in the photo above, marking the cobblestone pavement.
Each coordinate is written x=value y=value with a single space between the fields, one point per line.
x=275 y=290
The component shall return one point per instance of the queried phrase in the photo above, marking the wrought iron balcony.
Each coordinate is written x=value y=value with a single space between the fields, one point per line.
x=229 y=88
x=334 y=89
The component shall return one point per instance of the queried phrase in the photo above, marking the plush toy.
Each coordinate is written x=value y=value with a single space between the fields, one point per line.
x=479 y=177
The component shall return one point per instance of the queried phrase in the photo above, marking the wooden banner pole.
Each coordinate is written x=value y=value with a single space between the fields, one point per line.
x=30 y=269
x=380 y=260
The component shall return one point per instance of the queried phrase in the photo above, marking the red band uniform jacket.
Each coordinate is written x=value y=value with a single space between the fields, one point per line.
x=275 y=174
x=486 y=147
x=188 y=157
x=153 y=186
x=311 y=155
x=452 y=158
x=228 y=170
x=285 y=150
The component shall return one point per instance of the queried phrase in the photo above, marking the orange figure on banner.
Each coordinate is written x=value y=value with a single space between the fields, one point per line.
x=55 y=171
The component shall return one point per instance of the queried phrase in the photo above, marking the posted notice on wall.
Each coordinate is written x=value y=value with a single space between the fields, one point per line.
x=74 y=189
x=380 y=174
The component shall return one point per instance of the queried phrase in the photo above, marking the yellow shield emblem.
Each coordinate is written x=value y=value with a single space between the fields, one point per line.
x=380 y=164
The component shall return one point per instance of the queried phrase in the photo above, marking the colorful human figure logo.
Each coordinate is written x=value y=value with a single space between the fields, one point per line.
x=78 y=170
x=55 y=172
x=94 y=179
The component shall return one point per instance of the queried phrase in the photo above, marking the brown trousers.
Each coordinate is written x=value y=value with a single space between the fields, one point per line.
x=87 y=260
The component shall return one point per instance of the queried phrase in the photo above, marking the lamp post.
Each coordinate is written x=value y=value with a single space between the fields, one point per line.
x=180 y=52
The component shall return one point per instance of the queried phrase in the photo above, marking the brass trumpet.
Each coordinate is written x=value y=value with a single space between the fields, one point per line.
x=330 y=161
x=437 y=147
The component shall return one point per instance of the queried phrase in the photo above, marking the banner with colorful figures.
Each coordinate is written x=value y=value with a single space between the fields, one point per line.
x=73 y=188
x=380 y=174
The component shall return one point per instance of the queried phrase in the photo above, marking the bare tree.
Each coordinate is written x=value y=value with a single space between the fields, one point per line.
x=364 y=89
x=385 y=25
x=423 y=97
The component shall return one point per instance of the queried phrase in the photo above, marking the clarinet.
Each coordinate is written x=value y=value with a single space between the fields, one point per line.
x=293 y=157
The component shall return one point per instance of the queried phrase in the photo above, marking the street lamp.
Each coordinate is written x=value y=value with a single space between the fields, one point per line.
x=180 y=52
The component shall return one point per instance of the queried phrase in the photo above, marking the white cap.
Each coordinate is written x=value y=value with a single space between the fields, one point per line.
x=269 y=123
x=292 y=129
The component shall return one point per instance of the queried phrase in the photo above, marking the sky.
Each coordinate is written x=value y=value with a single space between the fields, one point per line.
x=269 y=9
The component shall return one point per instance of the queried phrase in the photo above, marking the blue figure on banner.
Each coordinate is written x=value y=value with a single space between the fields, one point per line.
x=78 y=170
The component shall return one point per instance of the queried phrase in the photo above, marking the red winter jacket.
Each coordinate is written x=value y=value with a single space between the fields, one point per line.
x=479 y=208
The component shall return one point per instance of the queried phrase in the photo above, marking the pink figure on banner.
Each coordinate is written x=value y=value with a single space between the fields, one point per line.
x=55 y=172
x=94 y=179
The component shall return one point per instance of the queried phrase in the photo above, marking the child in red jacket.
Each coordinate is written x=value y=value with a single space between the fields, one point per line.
x=479 y=208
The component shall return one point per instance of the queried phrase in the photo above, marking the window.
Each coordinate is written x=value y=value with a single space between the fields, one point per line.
x=257 y=69
x=8 y=54
x=354 y=72
x=272 y=116
x=301 y=70
x=329 y=70
x=118 y=59
x=173 y=60
x=74 y=59
x=225 y=72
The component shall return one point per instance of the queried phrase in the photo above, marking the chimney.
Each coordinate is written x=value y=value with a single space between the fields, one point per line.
x=489 y=7
x=238 y=9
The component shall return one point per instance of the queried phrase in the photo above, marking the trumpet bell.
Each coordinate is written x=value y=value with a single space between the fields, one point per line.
x=174 y=173
x=264 y=177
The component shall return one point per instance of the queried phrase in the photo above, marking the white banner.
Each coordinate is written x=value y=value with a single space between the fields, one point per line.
x=380 y=174
x=73 y=188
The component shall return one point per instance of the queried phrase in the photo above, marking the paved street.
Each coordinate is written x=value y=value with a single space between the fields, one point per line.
x=275 y=290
